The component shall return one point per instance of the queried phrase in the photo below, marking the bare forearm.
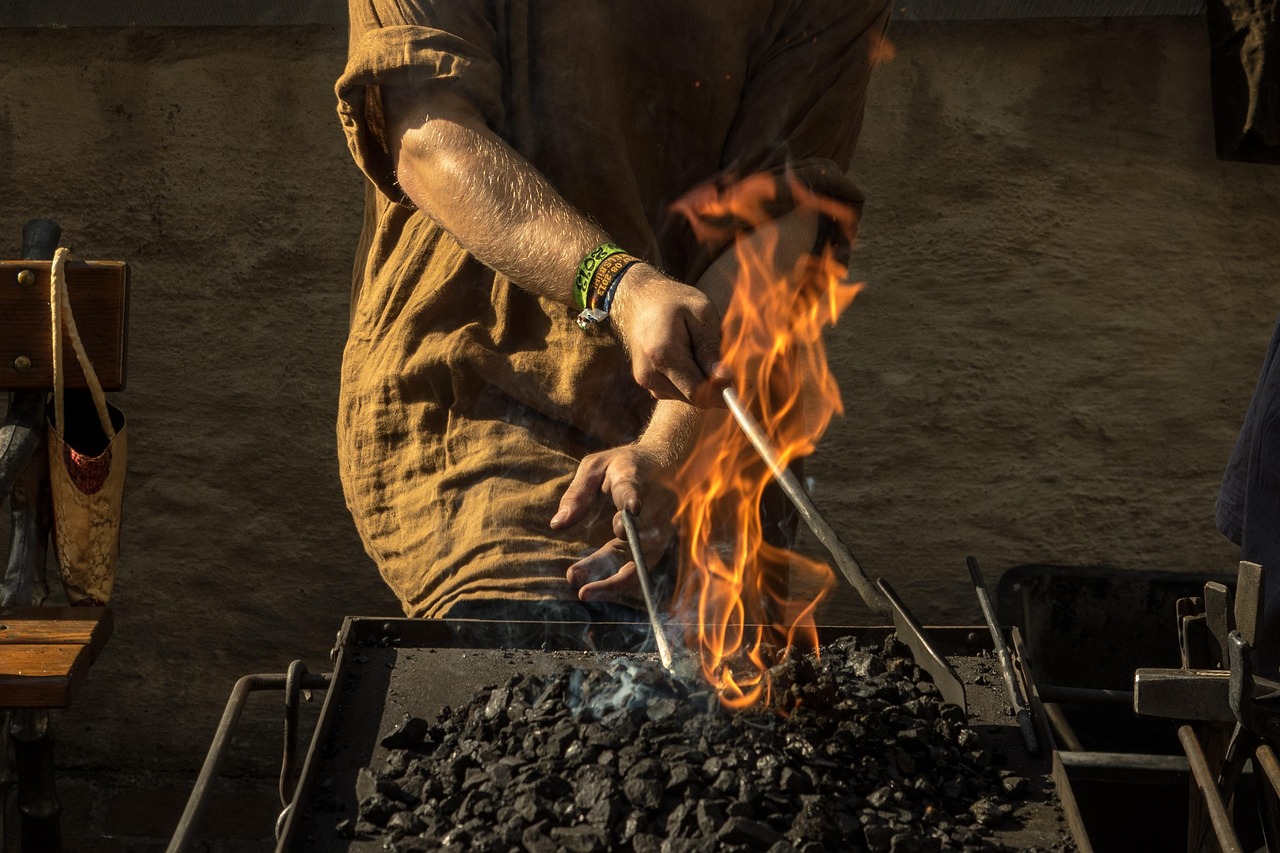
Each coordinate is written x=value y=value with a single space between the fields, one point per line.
x=490 y=199
x=671 y=432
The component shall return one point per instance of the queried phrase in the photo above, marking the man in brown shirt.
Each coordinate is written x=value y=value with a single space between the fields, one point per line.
x=480 y=428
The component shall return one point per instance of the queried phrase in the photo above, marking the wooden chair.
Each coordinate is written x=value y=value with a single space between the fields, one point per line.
x=45 y=652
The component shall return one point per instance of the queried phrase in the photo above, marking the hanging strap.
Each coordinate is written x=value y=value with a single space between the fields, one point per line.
x=60 y=314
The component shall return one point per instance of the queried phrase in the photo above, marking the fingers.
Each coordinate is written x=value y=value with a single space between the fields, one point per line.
x=625 y=490
x=582 y=492
x=652 y=375
x=602 y=564
x=674 y=340
x=710 y=394
x=705 y=334
x=622 y=587
x=607 y=575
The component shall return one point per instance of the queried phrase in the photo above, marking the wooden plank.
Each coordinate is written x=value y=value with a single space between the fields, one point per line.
x=99 y=293
x=41 y=676
x=88 y=626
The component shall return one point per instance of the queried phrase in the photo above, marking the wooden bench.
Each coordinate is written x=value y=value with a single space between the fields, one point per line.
x=45 y=652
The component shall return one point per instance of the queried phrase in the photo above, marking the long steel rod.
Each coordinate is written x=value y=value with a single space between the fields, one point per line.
x=1002 y=657
x=847 y=563
x=1204 y=780
x=646 y=587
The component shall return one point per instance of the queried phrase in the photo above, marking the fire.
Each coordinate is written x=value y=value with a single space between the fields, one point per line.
x=730 y=577
x=883 y=51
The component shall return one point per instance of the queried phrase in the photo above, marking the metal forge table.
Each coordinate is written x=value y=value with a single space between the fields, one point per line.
x=386 y=668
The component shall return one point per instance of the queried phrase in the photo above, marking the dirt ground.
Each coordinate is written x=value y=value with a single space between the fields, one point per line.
x=1068 y=302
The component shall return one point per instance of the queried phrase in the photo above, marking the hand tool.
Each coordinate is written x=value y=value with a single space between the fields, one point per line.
x=1016 y=704
x=847 y=563
x=646 y=587
x=879 y=596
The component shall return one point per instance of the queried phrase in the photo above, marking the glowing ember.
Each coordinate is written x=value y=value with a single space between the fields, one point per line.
x=730 y=577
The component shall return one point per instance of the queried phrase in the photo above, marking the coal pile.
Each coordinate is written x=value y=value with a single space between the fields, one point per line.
x=864 y=756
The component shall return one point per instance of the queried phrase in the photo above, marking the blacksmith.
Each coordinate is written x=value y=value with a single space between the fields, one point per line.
x=522 y=162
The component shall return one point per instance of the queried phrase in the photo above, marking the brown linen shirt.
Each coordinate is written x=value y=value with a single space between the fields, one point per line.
x=466 y=402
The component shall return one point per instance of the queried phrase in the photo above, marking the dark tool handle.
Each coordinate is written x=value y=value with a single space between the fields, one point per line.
x=40 y=239
x=1002 y=656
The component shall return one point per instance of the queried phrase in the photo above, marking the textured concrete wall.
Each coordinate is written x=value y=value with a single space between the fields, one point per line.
x=1069 y=300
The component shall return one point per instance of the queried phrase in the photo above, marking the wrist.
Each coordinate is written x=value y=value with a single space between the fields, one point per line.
x=597 y=280
x=632 y=284
x=671 y=433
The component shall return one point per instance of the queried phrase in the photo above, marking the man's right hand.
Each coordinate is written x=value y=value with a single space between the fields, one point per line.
x=672 y=333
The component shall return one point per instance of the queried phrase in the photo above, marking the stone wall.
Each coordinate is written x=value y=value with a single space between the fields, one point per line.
x=1069 y=299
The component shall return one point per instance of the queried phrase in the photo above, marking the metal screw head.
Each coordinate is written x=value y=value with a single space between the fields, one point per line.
x=26 y=278
x=22 y=363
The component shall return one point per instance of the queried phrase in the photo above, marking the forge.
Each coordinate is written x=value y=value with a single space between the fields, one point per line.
x=427 y=740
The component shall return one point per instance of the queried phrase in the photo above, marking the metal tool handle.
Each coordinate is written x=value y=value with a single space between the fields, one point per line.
x=844 y=558
x=1018 y=707
x=646 y=587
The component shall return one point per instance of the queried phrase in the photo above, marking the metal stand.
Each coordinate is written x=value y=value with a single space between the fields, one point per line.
x=1235 y=712
x=294 y=682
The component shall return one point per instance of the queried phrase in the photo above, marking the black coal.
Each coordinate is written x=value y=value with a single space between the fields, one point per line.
x=863 y=755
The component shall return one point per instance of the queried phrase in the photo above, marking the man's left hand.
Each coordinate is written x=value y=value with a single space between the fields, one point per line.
x=634 y=477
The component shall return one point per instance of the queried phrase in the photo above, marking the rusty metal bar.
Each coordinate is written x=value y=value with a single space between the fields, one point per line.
x=646 y=587
x=222 y=738
x=848 y=564
x=1204 y=780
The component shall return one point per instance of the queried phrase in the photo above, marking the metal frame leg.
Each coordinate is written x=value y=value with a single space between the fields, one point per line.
x=37 y=795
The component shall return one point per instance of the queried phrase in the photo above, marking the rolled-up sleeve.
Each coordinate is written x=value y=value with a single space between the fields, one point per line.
x=445 y=43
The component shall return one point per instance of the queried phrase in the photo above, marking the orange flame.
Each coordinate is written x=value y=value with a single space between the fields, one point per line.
x=730 y=576
x=882 y=51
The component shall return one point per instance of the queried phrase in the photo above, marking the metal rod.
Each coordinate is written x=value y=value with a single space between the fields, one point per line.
x=217 y=750
x=1062 y=728
x=1002 y=657
x=1084 y=695
x=844 y=558
x=646 y=587
x=1203 y=776
x=1267 y=761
